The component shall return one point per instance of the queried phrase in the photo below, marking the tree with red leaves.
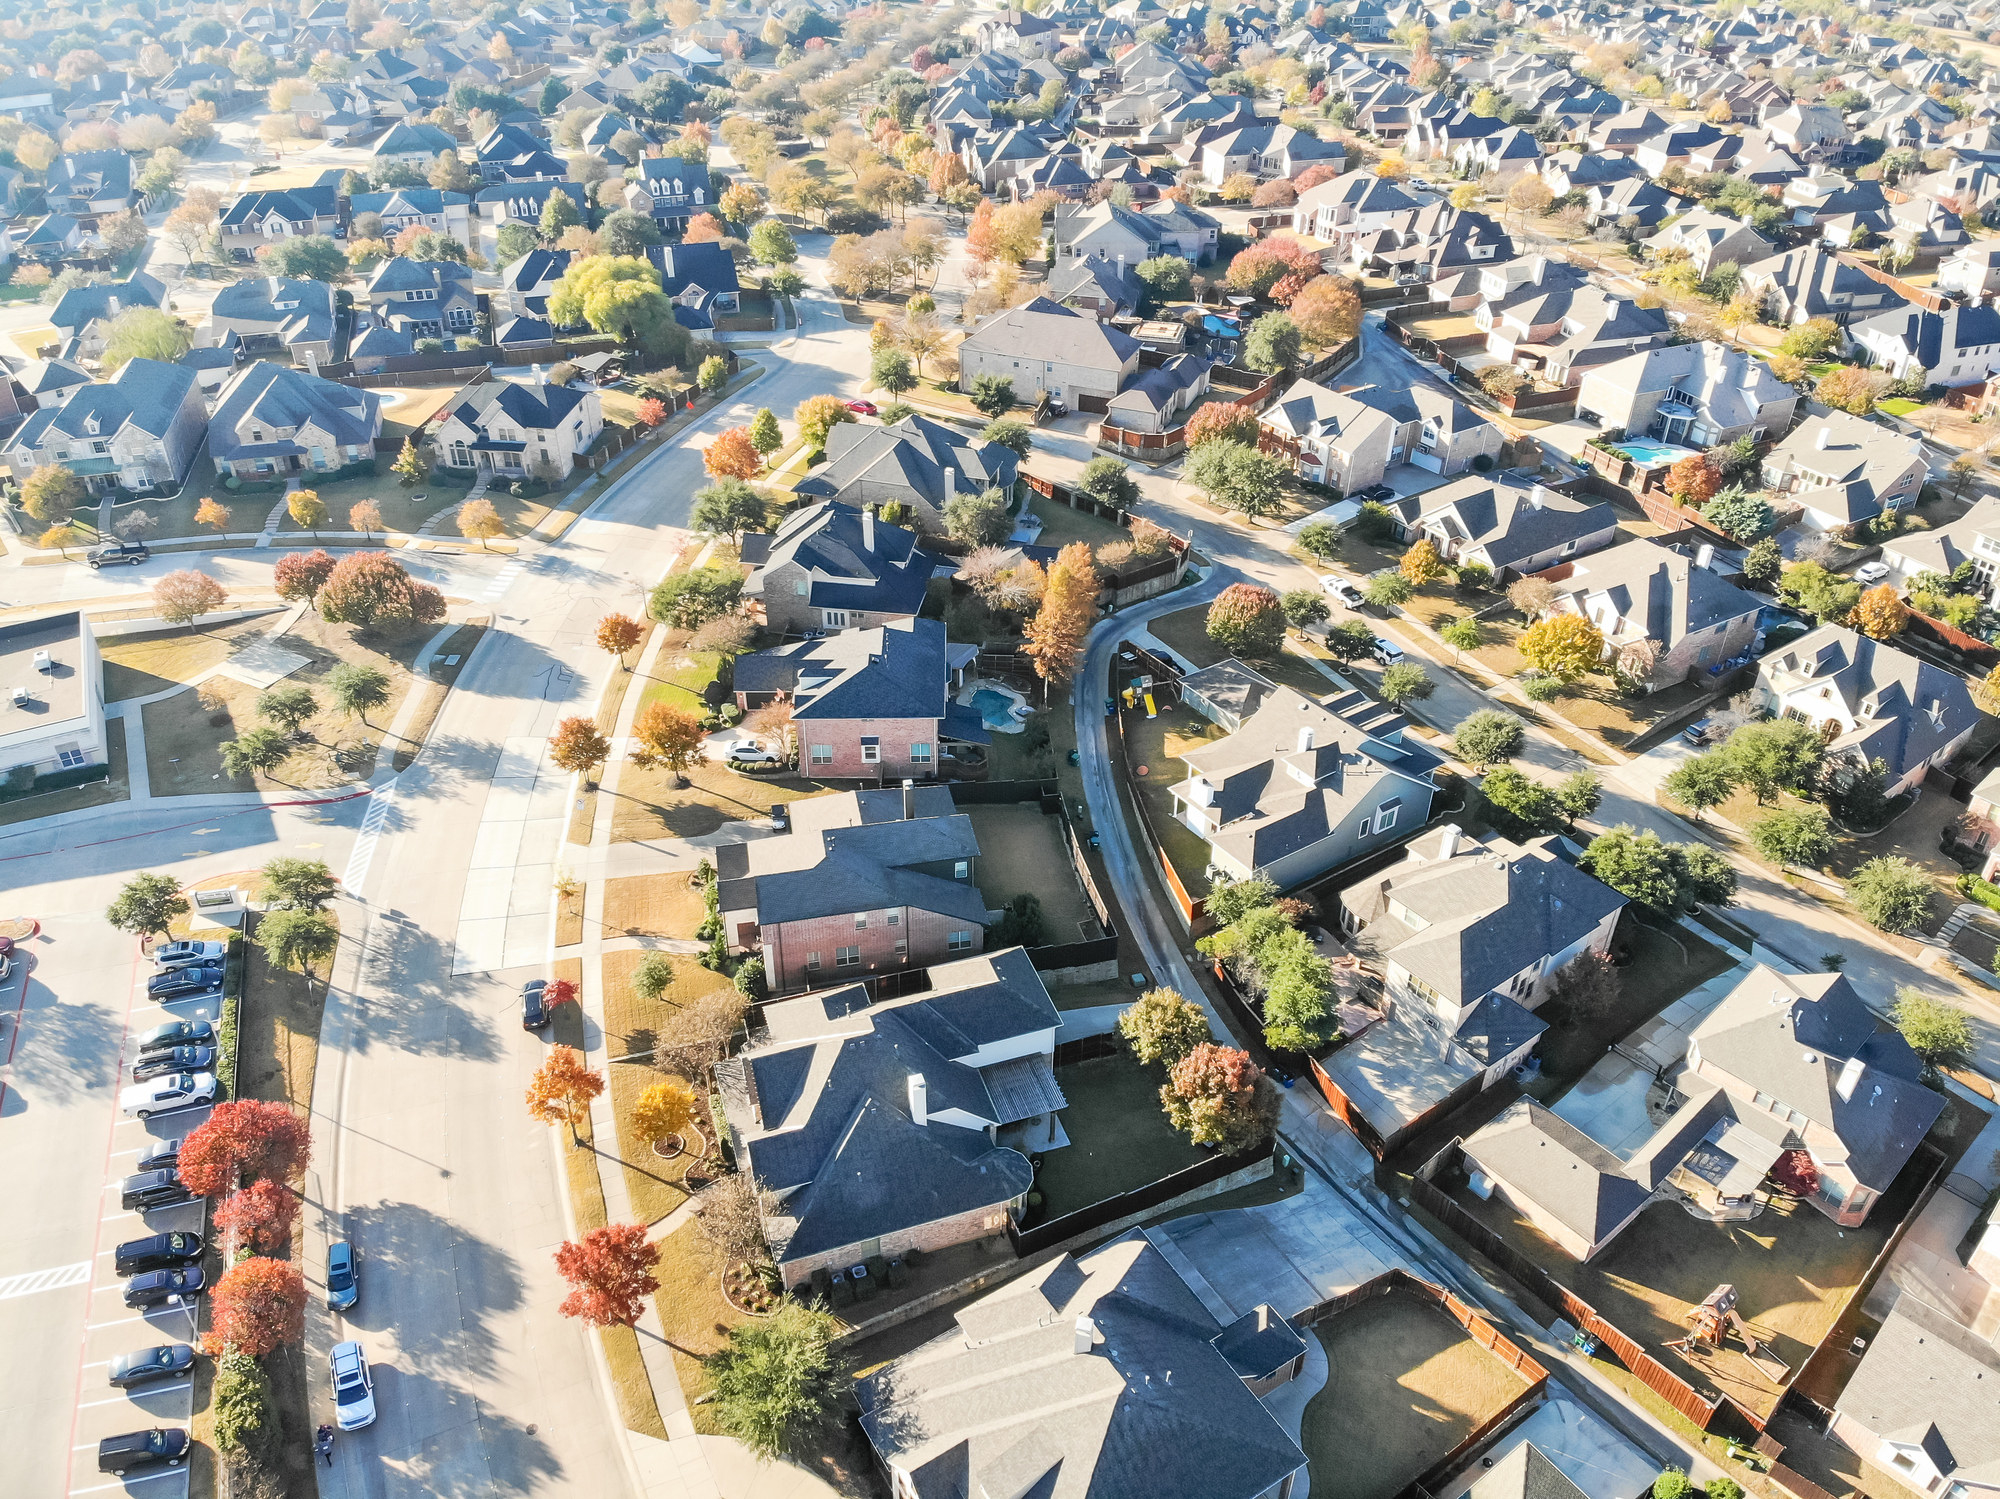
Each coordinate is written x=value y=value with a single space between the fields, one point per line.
x=732 y=455
x=1694 y=480
x=557 y=993
x=1279 y=268
x=257 y=1307
x=1314 y=175
x=1221 y=421
x=704 y=228
x=1328 y=311
x=300 y=576
x=612 y=1271
x=653 y=411
x=373 y=588
x=245 y=1140
x=1219 y=1097
x=259 y=1218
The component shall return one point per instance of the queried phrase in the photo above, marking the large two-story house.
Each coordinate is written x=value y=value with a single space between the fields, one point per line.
x=1699 y=395
x=258 y=218
x=271 y=419
x=529 y=426
x=1513 y=526
x=1842 y=469
x=1048 y=349
x=135 y=431
x=1641 y=590
x=1349 y=439
x=834 y=566
x=1546 y=319
x=915 y=462
x=425 y=298
x=864 y=883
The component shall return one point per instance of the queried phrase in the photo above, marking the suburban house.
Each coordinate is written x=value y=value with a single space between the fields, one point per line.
x=867 y=882
x=57 y=723
x=1511 y=527
x=274 y=315
x=1870 y=701
x=137 y=430
x=1958 y=346
x=834 y=566
x=1784 y=1065
x=868 y=704
x=89 y=184
x=698 y=279
x=417 y=208
x=1048 y=349
x=274 y=419
x=1640 y=590
x=1974 y=538
x=1710 y=238
x=1546 y=319
x=1842 y=469
x=1349 y=439
x=1465 y=938
x=83 y=315
x=1132 y=235
x=424 y=298
x=1973 y=271
x=526 y=284
x=916 y=462
x=1699 y=395
x=1096 y=284
x=1263 y=148
x=1105 y=1375
x=1353 y=204
x=1161 y=397
x=1918 y=1406
x=256 y=219
x=418 y=144
x=1302 y=787
x=1810 y=281
x=873 y=1128
x=671 y=190
x=520 y=427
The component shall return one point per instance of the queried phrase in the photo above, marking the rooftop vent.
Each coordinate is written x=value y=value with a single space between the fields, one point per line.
x=44 y=661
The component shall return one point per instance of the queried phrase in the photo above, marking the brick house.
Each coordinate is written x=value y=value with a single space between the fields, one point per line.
x=1644 y=591
x=867 y=882
x=833 y=566
x=868 y=704
x=873 y=1128
x=139 y=429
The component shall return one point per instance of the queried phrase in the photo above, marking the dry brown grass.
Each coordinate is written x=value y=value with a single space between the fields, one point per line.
x=569 y=917
x=652 y=905
x=694 y=1314
x=140 y=665
x=648 y=804
x=1405 y=1384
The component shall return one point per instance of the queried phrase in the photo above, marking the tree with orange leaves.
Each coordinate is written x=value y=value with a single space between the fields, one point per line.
x=1069 y=608
x=981 y=240
x=617 y=635
x=259 y=1218
x=257 y=1307
x=244 y=1139
x=733 y=455
x=561 y=1090
x=611 y=1272
x=1881 y=612
x=704 y=228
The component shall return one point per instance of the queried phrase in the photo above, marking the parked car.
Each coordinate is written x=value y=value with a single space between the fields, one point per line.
x=863 y=408
x=164 y=1287
x=1385 y=652
x=343 y=1287
x=144 y=1190
x=133 y=552
x=120 y=1455
x=534 y=1013
x=1698 y=732
x=179 y=1059
x=160 y=1095
x=155 y=1252
x=180 y=954
x=160 y=1155
x=752 y=752
x=1342 y=591
x=1871 y=572
x=177 y=1033
x=1374 y=494
x=353 y=1389
x=149 y=1364
x=781 y=817
x=181 y=983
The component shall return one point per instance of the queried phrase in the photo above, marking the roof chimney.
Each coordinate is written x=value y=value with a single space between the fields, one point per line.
x=950 y=482
x=1305 y=740
x=920 y=1100
x=909 y=800
x=1448 y=843
x=1823 y=439
x=1087 y=1336
x=868 y=527
x=1850 y=1078
x=1704 y=555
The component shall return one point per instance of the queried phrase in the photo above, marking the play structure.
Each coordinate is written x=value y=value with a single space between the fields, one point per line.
x=1709 y=1326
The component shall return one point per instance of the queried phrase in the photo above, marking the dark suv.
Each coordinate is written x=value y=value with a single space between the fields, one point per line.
x=176 y=1059
x=142 y=1449
x=155 y=1252
x=168 y=1287
x=534 y=1013
x=133 y=552
x=152 y=1189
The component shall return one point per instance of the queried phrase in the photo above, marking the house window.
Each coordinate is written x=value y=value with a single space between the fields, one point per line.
x=1385 y=816
x=861 y=922
x=812 y=961
x=920 y=754
x=833 y=619
x=822 y=754
x=902 y=947
x=961 y=869
x=895 y=918
x=871 y=752
x=847 y=957
x=70 y=757
x=958 y=942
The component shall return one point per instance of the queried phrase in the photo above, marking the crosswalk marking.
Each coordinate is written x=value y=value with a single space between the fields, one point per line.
x=36 y=1281
x=366 y=839
x=502 y=581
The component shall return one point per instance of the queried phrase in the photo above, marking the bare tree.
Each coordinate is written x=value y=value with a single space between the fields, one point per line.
x=731 y=1217
x=699 y=1034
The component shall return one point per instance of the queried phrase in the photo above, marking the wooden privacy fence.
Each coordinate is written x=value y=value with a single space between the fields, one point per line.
x=1656 y=1376
x=1534 y=1376
x=1058 y=1230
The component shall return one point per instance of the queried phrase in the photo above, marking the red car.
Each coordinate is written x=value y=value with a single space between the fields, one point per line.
x=863 y=408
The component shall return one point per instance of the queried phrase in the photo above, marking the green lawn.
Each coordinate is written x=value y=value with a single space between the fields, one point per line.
x=1899 y=406
x=1062 y=525
x=1119 y=1137
x=1658 y=967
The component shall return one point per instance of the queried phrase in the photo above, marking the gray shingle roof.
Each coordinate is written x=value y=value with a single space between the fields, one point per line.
x=1905 y=709
x=1923 y=1382
x=1512 y=522
x=1042 y=330
x=909 y=455
x=144 y=394
x=277 y=395
x=829 y=541
x=897 y=670
x=1544 y=1157
x=1662 y=592
x=1006 y=1406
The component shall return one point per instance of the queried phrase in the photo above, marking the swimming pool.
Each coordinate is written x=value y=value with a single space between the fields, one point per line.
x=1652 y=454
x=1221 y=327
x=996 y=709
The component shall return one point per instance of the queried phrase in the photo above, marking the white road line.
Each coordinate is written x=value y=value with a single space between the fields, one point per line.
x=363 y=856
x=122 y=1483
x=33 y=1282
x=503 y=580
x=162 y=1389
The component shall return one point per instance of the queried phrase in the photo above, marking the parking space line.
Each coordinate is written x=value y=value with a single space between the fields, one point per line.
x=164 y=1389
x=34 y=1281
x=128 y=1482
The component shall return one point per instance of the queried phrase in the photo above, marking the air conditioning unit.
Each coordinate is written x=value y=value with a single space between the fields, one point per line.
x=20 y=697
x=44 y=662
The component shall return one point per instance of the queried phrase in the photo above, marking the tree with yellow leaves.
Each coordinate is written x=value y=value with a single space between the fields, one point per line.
x=1564 y=646
x=664 y=1110
x=1881 y=613
x=1069 y=607
x=1421 y=563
